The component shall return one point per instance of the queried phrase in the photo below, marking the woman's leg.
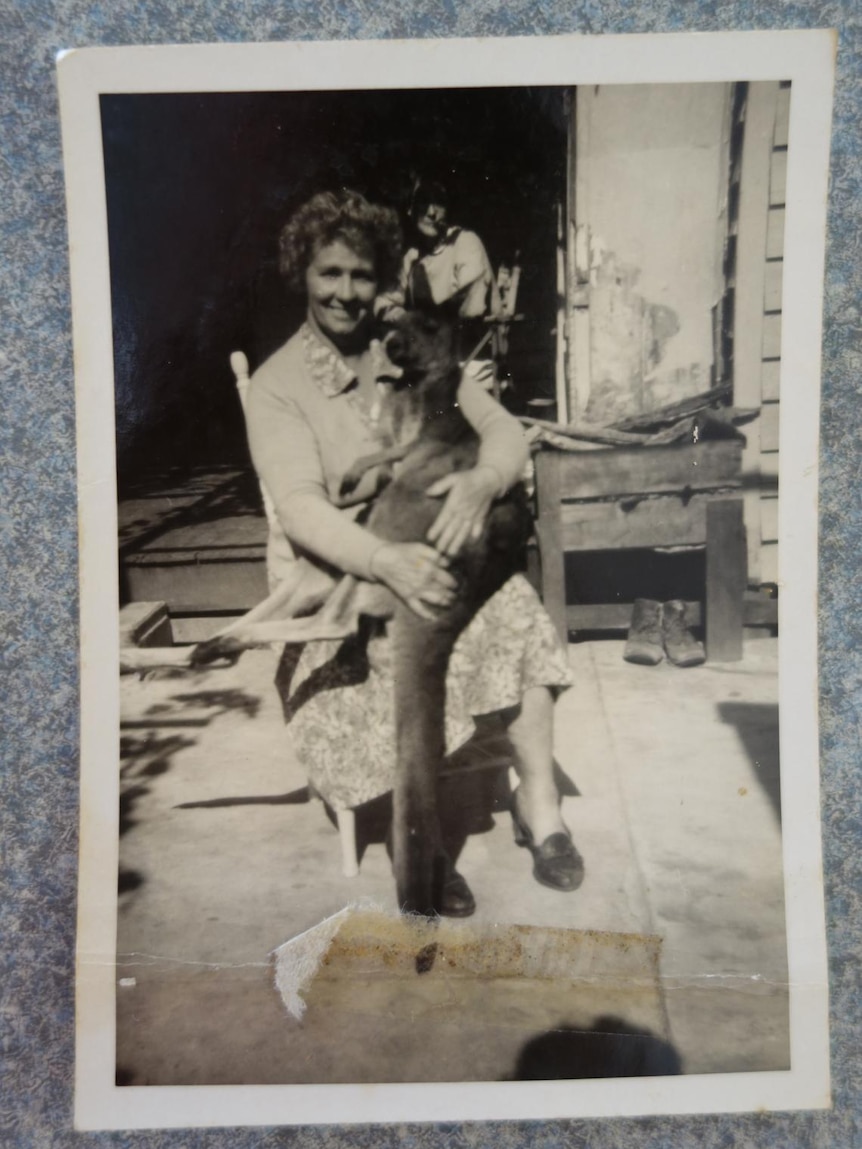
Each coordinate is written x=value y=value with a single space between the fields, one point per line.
x=531 y=731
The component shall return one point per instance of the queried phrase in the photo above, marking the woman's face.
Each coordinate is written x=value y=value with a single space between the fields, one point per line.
x=342 y=286
x=431 y=221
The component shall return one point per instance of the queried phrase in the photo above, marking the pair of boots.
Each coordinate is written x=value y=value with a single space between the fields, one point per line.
x=658 y=629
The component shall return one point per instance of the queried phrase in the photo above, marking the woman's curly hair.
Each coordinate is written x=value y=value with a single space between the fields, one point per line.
x=366 y=228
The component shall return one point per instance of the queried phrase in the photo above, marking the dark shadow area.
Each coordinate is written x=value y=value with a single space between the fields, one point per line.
x=468 y=801
x=347 y=667
x=199 y=186
x=235 y=495
x=222 y=701
x=373 y=823
x=215 y=702
x=129 y=798
x=139 y=754
x=293 y=798
x=755 y=481
x=473 y=790
x=128 y=880
x=624 y=575
x=757 y=726
x=141 y=758
x=566 y=786
x=611 y=1047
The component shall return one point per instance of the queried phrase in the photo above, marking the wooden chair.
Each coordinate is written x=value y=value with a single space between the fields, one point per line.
x=346 y=819
x=645 y=497
x=496 y=337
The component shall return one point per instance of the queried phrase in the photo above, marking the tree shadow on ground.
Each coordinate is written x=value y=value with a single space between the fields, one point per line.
x=143 y=757
x=221 y=701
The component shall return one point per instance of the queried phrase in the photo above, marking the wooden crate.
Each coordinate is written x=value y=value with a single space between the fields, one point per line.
x=640 y=498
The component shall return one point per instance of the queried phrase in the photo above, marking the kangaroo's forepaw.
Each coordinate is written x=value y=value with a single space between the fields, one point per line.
x=350 y=482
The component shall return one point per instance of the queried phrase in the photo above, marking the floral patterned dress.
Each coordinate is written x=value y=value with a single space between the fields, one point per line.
x=339 y=699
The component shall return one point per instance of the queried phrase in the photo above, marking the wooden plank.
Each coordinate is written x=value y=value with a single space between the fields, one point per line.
x=757 y=610
x=782 y=118
x=579 y=361
x=626 y=471
x=751 y=245
x=772 y=336
x=775 y=233
x=778 y=179
x=769 y=468
x=560 y=389
x=769 y=518
x=769 y=427
x=665 y=521
x=145 y=624
x=750 y=275
x=726 y=577
x=549 y=534
x=586 y=433
x=533 y=572
x=771 y=379
x=205 y=586
x=672 y=412
x=577 y=228
x=614 y=615
x=773 y=285
x=198 y=628
x=194 y=557
x=769 y=562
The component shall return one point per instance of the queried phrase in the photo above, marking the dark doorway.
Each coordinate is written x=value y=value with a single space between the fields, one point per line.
x=198 y=187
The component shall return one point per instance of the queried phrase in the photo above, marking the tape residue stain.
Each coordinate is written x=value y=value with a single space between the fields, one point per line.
x=362 y=940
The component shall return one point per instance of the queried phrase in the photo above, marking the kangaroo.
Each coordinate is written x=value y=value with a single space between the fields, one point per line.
x=434 y=438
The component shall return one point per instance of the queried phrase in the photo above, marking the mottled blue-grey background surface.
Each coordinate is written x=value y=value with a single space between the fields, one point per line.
x=38 y=592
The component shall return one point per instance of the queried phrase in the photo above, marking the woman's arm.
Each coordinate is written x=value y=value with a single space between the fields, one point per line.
x=501 y=439
x=286 y=458
x=285 y=454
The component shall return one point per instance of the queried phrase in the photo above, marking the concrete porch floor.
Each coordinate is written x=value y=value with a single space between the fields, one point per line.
x=673 y=801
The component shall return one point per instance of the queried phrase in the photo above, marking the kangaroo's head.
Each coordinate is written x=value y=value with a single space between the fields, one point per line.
x=420 y=373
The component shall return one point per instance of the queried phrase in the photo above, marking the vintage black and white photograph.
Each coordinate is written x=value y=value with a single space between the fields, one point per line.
x=446 y=582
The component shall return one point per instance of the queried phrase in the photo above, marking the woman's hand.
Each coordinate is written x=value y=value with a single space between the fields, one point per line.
x=469 y=495
x=417 y=574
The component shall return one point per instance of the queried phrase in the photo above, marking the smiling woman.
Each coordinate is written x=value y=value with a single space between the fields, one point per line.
x=341 y=286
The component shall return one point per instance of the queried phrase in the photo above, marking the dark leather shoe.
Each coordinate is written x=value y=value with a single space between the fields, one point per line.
x=556 y=861
x=455 y=899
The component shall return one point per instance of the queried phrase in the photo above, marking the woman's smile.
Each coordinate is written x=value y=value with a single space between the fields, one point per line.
x=342 y=286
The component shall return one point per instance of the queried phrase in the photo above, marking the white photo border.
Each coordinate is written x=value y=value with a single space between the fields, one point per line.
x=806 y=58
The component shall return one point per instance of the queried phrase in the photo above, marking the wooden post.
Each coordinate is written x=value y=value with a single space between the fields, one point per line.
x=548 y=529
x=726 y=577
x=748 y=319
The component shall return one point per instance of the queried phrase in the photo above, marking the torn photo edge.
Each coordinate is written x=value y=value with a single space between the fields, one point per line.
x=806 y=59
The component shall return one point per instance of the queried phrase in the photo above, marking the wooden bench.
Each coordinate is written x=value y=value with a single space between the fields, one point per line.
x=627 y=498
